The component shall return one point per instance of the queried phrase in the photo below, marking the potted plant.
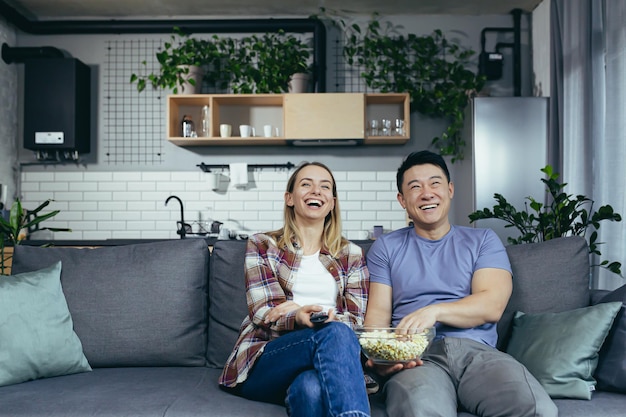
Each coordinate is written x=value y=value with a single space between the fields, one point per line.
x=565 y=215
x=14 y=230
x=264 y=63
x=431 y=68
x=184 y=61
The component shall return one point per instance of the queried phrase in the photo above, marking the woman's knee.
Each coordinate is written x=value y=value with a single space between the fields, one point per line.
x=342 y=334
x=304 y=396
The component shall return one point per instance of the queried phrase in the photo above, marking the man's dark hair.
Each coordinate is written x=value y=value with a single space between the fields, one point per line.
x=420 y=158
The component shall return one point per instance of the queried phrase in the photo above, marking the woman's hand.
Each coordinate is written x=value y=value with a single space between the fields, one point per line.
x=303 y=315
x=280 y=310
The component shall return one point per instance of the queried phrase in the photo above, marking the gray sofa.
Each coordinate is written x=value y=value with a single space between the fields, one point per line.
x=157 y=321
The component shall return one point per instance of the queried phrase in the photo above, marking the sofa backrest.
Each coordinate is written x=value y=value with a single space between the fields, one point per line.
x=135 y=305
x=551 y=276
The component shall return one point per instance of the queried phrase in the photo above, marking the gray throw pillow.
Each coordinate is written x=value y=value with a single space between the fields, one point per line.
x=611 y=371
x=561 y=349
x=541 y=270
x=37 y=338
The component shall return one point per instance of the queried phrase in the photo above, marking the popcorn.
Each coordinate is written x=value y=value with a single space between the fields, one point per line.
x=385 y=346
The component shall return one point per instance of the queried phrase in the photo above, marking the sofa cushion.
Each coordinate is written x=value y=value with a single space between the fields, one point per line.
x=227 y=299
x=134 y=305
x=551 y=276
x=611 y=371
x=171 y=391
x=37 y=338
x=561 y=349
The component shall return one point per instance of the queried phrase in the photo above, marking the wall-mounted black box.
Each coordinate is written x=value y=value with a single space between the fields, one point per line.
x=57 y=99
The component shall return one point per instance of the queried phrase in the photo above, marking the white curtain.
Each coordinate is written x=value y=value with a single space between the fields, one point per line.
x=590 y=99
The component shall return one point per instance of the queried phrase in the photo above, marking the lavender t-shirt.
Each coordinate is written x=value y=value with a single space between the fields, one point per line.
x=423 y=272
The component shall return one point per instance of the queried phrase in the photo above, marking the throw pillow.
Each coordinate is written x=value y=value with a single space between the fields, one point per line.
x=611 y=371
x=37 y=338
x=561 y=349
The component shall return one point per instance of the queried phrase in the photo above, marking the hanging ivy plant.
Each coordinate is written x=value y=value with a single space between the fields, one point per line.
x=431 y=68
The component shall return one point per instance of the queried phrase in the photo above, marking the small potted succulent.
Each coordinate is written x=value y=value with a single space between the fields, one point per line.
x=184 y=61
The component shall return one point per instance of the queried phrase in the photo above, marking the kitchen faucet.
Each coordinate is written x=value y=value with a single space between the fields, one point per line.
x=182 y=226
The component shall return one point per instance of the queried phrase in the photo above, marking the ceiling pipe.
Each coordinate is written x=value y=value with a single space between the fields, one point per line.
x=20 y=54
x=516 y=46
x=69 y=27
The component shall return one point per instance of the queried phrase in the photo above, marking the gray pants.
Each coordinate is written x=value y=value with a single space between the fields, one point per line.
x=461 y=374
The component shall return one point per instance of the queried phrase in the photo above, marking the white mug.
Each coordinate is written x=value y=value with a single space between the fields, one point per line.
x=245 y=131
x=225 y=130
x=268 y=131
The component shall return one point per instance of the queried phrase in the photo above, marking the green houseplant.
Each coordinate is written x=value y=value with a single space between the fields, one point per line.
x=13 y=230
x=176 y=62
x=264 y=63
x=565 y=215
x=431 y=68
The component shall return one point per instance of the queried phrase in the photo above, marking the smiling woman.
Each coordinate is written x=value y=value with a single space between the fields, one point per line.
x=292 y=274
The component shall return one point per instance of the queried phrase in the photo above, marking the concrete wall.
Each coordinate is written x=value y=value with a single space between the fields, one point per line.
x=8 y=118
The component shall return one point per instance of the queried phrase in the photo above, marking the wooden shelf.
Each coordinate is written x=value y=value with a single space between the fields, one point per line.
x=296 y=117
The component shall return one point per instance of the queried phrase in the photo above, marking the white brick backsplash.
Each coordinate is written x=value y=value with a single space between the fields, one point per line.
x=361 y=176
x=376 y=186
x=54 y=186
x=140 y=186
x=127 y=176
x=125 y=215
x=131 y=205
x=100 y=176
x=38 y=177
x=80 y=206
x=83 y=186
x=97 y=215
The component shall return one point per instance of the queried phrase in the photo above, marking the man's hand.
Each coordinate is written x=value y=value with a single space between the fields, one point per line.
x=388 y=370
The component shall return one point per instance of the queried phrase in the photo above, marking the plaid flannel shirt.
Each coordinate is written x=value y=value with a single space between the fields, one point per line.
x=270 y=276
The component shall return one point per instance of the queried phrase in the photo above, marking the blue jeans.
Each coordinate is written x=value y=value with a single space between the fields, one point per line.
x=314 y=372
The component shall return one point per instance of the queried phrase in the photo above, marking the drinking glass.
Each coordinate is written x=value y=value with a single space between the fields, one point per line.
x=398 y=127
x=374 y=127
x=386 y=127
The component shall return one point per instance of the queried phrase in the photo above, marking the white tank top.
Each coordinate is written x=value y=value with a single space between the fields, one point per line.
x=314 y=285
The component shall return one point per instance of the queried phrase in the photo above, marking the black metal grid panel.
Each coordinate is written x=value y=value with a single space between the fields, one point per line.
x=345 y=78
x=133 y=122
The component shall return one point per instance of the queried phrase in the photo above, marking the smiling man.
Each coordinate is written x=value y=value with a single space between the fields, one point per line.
x=458 y=280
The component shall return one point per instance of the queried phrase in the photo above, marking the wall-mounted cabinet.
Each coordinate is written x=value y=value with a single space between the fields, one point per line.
x=293 y=117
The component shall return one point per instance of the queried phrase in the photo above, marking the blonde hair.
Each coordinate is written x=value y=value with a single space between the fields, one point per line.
x=332 y=239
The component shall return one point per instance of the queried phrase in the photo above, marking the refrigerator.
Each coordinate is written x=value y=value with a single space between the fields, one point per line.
x=506 y=148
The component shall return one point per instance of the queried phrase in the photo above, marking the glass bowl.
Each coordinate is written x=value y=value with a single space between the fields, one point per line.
x=390 y=345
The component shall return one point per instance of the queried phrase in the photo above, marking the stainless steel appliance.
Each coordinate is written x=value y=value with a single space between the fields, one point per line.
x=506 y=147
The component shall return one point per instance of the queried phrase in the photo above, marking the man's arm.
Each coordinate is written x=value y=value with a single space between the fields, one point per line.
x=379 y=305
x=491 y=290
